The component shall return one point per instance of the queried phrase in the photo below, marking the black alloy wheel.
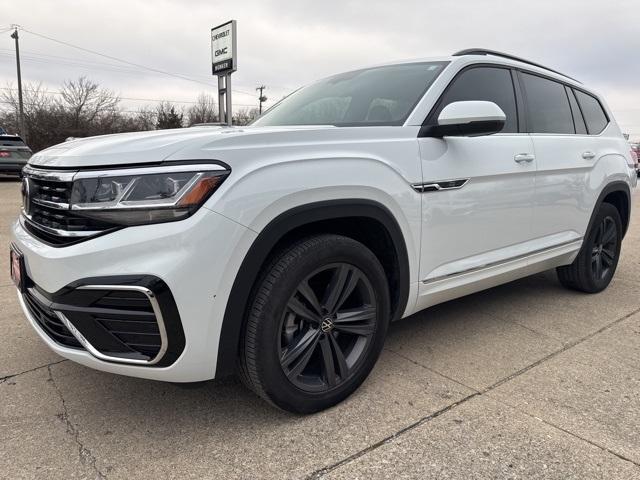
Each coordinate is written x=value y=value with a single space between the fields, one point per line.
x=316 y=324
x=327 y=327
x=604 y=250
x=595 y=265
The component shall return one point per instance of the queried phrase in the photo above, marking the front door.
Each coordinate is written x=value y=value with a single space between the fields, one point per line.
x=478 y=192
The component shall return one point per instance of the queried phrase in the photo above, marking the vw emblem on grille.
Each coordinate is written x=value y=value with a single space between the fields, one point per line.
x=25 y=194
x=327 y=324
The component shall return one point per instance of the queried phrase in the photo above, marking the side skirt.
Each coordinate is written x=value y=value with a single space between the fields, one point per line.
x=441 y=289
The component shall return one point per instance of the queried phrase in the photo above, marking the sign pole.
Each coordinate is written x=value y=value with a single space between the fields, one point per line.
x=221 y=116
x=228 y=95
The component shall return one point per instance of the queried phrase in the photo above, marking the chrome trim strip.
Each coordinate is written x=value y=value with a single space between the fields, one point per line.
x=50 y=175
x=54 y=231
x=578 y=244
x=187 y=167
x=42 y=173
x=109 y=358
x=454 y=184
x=36 y=326
x=47 y=203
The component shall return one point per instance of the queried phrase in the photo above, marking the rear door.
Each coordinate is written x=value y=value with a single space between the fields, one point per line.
x=481 y=210
x=565 y=154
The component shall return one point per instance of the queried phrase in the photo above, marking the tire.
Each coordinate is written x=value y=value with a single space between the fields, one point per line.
x=595 y=265
x=316 y=325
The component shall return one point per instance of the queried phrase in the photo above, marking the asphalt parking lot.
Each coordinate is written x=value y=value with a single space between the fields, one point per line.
x=527 y=380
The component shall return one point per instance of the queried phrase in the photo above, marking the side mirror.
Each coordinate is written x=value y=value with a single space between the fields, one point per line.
x=466 y=119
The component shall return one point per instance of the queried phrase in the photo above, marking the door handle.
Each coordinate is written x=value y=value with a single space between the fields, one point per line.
x=524 y=158
x=588 y=155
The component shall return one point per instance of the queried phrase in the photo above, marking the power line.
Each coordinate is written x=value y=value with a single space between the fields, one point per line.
x=135 y=99
x=137 y=65
x=46 y=56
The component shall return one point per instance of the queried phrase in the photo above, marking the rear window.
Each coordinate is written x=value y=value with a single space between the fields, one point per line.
x=547 y=105
x=15 y=154
x=593 y=112
x=11 y=141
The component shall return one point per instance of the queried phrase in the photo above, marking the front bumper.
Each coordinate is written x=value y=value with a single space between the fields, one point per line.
x=196 y=259
x=124 y=319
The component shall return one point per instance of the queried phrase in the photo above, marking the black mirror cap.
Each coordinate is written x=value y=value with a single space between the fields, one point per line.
x=471 y=129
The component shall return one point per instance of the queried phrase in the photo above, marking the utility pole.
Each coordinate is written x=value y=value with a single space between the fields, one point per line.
x=14 y=35
x=262 y=98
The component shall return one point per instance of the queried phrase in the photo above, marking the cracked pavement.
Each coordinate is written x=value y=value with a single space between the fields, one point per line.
x=526 y=380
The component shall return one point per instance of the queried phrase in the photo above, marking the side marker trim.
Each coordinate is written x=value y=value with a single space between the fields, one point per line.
x=439 y=186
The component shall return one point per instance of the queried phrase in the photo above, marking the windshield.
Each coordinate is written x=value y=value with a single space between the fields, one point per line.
x=372 y=96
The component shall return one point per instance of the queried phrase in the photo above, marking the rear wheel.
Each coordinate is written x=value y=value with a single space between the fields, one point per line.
x=317 y=324
x=593 y=268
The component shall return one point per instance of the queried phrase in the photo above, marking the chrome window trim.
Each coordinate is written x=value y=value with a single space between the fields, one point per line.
x=109 y=358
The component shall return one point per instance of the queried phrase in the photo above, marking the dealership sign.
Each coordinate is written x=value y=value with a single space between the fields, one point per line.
x=223 y=48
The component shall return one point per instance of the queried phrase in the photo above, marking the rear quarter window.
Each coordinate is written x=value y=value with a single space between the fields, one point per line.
x=593 y=113
x=578 y=119
x=547 y=105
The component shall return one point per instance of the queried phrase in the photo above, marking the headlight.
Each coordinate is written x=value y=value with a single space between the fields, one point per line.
x=144 y=195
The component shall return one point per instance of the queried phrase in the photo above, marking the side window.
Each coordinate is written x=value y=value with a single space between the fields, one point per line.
x=593 y=113
x=547 y=105
x=578 y=120
x=484 y=83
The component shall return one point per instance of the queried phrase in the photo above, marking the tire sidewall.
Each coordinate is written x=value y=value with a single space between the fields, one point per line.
x=605 y=210
x=275 y=384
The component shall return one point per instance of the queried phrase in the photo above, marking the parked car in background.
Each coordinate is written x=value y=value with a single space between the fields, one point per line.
x=14 y=154
x=283 y=250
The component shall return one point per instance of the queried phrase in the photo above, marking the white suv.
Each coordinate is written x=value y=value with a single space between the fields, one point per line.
x=283 y=250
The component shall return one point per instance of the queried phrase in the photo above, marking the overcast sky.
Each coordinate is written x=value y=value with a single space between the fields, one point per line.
x=286 y=44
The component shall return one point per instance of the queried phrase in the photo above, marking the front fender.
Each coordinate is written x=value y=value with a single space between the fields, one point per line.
x=255 y=198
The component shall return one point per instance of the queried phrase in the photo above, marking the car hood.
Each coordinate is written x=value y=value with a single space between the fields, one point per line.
x=156 y=146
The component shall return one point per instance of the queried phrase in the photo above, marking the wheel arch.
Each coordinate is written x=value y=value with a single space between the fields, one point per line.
x=342 y=216
x=617 y=193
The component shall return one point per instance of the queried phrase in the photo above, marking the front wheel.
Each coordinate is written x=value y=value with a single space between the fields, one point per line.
x=593 y=268
x=316 y=325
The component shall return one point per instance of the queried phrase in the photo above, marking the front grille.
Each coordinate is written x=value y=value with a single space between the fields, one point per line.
x=48 y=320
x=47 y=211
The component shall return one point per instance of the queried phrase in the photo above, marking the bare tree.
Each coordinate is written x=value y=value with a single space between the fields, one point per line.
x=168 y=116
x=245 y=116
x=146 y=119
x=85 y=100
x=42 y=118
x=205 y=110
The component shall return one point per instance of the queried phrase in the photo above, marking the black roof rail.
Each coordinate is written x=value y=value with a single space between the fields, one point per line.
x=484 y=51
